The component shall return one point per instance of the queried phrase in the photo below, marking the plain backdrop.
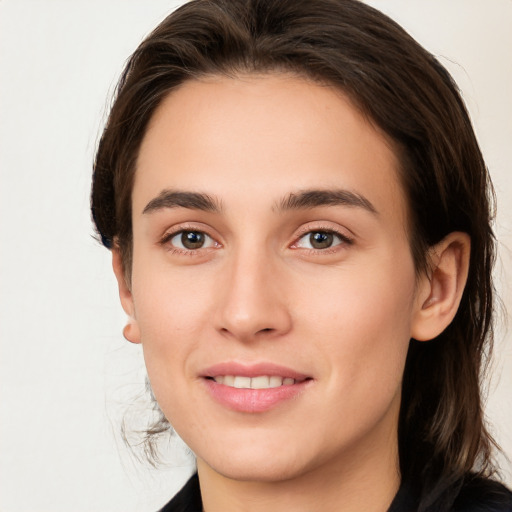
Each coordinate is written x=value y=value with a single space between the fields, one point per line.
x=66 y=373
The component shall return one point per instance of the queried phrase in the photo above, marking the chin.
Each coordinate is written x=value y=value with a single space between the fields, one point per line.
x=258 y=458
x=246 y=470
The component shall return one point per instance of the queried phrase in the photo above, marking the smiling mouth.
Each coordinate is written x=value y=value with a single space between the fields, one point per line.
x=252 y=389
x=258 y=382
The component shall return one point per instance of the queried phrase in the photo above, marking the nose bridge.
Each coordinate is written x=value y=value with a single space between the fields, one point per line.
x=252 y=302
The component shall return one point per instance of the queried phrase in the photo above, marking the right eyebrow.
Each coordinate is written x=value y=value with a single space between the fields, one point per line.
x=183 y=199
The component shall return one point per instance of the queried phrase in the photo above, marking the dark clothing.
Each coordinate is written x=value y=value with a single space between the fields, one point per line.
x=188 y=499
x=478 y=495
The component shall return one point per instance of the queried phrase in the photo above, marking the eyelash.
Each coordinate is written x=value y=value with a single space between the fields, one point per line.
x=166 y=239
x=344 y=240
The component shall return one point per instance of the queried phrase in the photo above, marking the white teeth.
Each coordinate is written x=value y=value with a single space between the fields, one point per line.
x=260 y=382
x=275 y=381
x=242 y=382
x=229 y=380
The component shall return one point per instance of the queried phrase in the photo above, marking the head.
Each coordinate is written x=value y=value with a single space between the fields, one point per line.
x=406 y=103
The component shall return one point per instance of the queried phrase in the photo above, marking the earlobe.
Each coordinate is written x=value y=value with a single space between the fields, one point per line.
x=439 y=293
x=131 y=331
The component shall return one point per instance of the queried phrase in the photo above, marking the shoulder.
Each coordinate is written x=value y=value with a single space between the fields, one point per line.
x=187 y=500
x=473 y=494
x=483 y=495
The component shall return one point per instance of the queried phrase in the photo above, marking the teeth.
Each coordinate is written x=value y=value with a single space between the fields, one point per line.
x=275 y=382
x=242 y=382
x=229 y=380
x=260 y=382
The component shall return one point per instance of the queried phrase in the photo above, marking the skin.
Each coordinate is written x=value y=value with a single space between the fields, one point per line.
x=258 y=291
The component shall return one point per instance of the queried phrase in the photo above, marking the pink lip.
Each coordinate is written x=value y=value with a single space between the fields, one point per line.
x=252 y=370
x=253 y=400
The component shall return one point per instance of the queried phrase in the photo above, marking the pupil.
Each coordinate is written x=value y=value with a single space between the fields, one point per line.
x=321 y=240
x=192 y=239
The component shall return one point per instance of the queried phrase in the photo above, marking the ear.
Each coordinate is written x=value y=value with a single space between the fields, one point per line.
x=131 y=331
x=440 y=290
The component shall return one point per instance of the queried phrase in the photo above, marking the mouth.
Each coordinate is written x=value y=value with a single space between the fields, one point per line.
x=254 y=388
x=258 y=382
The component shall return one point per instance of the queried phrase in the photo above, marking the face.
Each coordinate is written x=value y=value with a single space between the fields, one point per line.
x=273 y=287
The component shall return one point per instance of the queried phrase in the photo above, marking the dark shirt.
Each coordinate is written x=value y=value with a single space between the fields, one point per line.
x=478 y=495
x=188 y=499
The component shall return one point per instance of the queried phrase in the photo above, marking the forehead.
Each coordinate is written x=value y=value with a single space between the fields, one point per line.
x=264 y=137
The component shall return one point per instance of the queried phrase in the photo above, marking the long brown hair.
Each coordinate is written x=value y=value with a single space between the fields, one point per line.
x=405 y=91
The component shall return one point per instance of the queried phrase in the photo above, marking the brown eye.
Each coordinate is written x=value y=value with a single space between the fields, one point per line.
x=192 y=239
x=188 y=240
x=321 y=239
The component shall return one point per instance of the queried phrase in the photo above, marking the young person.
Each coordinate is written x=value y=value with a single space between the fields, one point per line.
x=300 y=222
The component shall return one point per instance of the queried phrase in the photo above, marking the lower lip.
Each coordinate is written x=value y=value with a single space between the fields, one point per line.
x=253 y=400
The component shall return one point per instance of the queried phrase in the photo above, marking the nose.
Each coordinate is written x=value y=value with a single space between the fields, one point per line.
x=252 y=301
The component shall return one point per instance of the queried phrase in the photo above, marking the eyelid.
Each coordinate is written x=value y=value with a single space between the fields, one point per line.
x=311 y=227
x=170 y=233
x=342 y=234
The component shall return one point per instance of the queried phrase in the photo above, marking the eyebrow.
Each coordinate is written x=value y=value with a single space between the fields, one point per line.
x=302 y=200
x=306 y=199
x=181 y=199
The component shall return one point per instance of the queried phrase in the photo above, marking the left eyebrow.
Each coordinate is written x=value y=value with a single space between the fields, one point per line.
x=306 y=199
x=183 y=199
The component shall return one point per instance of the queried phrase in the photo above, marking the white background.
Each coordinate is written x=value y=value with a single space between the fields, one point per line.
x=66 y=372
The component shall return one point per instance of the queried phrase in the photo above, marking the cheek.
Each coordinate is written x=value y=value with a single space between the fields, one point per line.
x=361 y=324
x=172 y=309
x=169 y=301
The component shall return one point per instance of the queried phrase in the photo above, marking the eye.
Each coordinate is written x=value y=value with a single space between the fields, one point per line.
x=320 y=239
x=189 y=240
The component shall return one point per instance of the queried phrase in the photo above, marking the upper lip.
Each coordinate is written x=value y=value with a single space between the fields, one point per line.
x=252 y=370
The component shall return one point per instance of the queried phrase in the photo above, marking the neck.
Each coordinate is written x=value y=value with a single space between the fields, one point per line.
x=367 y=479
